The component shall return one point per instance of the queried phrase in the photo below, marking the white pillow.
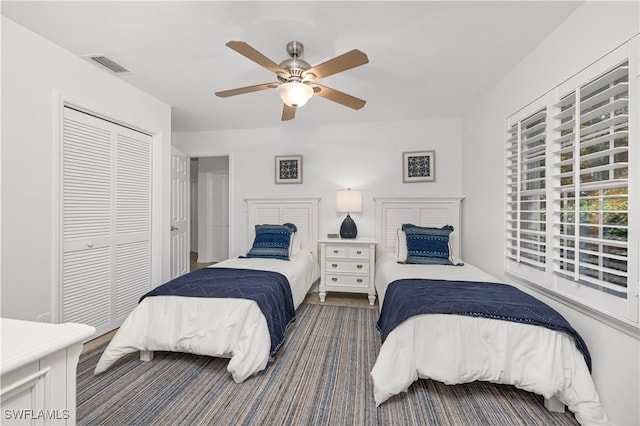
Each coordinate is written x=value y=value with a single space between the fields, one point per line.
x=295 y=244
x=401 y=245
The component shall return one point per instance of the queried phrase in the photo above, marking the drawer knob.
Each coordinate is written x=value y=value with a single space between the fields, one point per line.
x=359 y=252
x=89 y=244
x=334 y=265
x=359 y=266
x=359 y=280
x=335 y=252
x=334 y=279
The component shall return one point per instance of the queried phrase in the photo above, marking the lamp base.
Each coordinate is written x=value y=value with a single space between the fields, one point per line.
x=348 y=228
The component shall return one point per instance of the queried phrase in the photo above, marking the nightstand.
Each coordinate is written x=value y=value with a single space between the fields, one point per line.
x=348 y=265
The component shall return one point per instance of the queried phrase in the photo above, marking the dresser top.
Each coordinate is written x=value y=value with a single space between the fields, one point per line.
x=27 y=341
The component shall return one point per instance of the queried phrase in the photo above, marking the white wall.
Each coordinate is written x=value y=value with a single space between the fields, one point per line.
x=593 y=30
x=358 y=156
x=35 y=75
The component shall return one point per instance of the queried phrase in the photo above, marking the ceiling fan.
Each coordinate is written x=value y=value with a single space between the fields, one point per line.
x=297 y=79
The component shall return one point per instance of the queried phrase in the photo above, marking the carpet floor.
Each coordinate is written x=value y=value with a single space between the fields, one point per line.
x=320 y=377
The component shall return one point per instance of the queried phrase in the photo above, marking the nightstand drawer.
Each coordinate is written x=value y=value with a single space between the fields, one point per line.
x=339 y=266
x=347 y=281
x=358 y=252
x=337 y=251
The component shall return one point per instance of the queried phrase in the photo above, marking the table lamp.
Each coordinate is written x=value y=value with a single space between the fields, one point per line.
x=348 y=201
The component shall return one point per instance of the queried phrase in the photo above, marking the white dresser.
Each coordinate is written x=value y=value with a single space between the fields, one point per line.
x=348 y=265
x=38 y=368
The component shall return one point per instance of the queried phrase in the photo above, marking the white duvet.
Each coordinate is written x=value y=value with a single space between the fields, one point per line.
x=459 y=349
x=230 y=328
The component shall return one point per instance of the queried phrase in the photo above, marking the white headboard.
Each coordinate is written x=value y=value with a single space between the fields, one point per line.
x=391 y=213
x=302 y=212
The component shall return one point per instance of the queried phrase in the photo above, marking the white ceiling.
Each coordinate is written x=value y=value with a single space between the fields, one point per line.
x=426 y=58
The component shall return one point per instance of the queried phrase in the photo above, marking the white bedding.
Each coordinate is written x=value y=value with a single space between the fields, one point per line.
x=230 y=328
x=459 y=349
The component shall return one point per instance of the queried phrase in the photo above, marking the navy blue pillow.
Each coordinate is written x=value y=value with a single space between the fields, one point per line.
x=291 y=226
x=428 y=245
x=272 y=241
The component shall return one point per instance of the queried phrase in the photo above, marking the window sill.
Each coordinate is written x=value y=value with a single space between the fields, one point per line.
x=621 y=324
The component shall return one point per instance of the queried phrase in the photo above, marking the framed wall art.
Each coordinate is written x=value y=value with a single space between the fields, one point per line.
x=289 y=169
x=419 y=166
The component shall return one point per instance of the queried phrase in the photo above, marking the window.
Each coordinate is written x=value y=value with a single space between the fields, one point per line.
x=568 y=190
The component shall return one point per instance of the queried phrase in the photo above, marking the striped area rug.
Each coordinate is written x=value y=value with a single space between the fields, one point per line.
x=320 y=377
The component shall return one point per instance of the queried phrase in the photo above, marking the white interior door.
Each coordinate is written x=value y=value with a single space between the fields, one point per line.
x=179 y=214
x=220 y=217
x=193 y=213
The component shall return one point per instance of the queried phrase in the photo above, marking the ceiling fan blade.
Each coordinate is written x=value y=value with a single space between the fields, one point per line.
x=288 y=113
x=337 y=96
x=249 y=52
x=344 y=62
x=248 y=89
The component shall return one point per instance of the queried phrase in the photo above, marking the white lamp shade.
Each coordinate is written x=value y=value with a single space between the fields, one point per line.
x=348 y=201
x=295 y=94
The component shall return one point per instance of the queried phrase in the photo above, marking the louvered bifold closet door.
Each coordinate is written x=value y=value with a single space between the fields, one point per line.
x=106 y=219
x=87 y=186
x=133 y=220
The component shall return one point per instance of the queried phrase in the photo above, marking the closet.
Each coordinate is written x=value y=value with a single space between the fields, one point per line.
x=106 y=220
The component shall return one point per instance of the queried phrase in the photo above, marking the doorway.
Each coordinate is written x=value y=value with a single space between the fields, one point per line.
x=209 y=210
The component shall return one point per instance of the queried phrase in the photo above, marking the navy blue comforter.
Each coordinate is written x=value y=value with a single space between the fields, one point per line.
x=409 y=297
x=270 y=290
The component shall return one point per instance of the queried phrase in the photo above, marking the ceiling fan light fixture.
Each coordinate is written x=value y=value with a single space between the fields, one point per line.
x=295 y=94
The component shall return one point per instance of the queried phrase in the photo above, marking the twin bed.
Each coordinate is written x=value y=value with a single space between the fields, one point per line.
x=459 y=340
x=228 y=326
x=445 y=345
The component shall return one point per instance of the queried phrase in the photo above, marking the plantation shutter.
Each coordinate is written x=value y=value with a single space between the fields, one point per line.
x=106 y=220
x=591 y=152
x=526 y=191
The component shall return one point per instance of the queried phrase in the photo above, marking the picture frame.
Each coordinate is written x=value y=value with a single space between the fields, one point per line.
x=418 y=166
x=288 y=169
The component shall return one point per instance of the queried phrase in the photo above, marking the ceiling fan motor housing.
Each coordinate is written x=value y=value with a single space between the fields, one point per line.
x=295 y=65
